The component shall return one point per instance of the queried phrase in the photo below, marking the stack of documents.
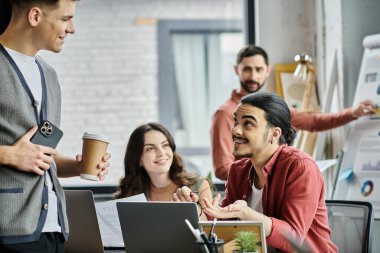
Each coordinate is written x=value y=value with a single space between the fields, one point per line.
x=109 y=223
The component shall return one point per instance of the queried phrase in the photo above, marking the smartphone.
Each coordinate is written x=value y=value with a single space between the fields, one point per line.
x=47 y=135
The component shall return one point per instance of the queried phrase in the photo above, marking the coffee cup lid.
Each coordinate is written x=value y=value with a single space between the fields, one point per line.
x=94 y=137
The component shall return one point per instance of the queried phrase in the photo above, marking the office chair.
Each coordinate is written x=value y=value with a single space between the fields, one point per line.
x=350 y=222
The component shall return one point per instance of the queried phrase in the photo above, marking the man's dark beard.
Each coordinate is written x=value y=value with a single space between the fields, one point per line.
x=244 y=85
x=250 y=155
x=246 y=155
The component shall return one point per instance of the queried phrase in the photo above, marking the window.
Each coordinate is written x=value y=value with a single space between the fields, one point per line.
x=196 y=60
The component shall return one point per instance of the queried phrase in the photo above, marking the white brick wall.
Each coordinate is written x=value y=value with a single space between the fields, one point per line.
x=108 y=69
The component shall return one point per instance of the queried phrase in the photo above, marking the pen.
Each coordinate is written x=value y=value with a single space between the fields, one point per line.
x=212 y=235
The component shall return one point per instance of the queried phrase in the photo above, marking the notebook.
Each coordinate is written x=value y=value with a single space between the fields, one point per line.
x=84 y=235
x=157 y=226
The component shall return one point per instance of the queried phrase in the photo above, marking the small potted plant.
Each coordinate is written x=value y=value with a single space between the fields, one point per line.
x=246 y=241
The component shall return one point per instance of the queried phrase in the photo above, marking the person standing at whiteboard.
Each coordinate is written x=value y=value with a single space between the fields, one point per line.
x=252 y=67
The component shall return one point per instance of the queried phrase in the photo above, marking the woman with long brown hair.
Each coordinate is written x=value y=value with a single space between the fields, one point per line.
x=153 y=167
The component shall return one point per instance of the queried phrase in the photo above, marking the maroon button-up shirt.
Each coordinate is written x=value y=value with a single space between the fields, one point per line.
x=293 y=197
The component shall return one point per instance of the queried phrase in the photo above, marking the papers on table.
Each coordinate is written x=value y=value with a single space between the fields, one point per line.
x=109 y=223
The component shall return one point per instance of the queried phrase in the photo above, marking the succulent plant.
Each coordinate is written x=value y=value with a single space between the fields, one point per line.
x=246 y=241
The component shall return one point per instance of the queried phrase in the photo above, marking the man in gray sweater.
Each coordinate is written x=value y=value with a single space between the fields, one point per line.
x=32 y=204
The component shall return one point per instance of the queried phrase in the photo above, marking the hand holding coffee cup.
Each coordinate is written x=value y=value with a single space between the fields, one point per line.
x=93 y=152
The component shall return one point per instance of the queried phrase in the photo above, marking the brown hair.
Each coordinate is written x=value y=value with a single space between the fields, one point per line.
x=5 y=14
x=277 y=113
x=23 y=4
x=251 y=50
x=136 y=180
x=27 y=3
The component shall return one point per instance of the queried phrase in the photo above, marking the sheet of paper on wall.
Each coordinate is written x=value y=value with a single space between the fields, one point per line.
x=326 y=164
x=108 y=219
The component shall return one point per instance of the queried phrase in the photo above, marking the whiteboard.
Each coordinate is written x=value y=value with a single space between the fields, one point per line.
x=359 y=174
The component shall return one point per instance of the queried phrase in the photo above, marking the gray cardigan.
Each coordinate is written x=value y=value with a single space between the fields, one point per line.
x=23 y=196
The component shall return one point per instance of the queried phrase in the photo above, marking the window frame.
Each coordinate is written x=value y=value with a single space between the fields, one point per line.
x=166 y=78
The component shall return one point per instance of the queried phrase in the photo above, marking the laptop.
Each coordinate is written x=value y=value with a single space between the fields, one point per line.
x=157 y=226
x=84 y=233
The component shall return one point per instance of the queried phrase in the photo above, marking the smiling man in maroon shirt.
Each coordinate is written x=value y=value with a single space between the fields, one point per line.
x=273 y=182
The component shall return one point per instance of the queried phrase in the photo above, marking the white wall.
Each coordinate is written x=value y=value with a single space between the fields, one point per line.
x=289 y=27
x=342 y=25
x=330 y=59
x=286 y=28
x=359 y=19
x=108 y=69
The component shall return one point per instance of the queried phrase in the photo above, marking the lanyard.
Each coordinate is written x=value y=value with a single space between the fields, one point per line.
x=34 y=103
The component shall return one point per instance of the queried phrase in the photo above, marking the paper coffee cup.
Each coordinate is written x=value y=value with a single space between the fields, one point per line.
x=93 y=149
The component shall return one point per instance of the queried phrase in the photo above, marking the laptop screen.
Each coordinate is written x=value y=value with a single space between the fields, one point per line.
x=157 y=226
x=84 y=234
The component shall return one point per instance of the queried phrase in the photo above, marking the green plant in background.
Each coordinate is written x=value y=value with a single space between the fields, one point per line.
x=246 y=241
